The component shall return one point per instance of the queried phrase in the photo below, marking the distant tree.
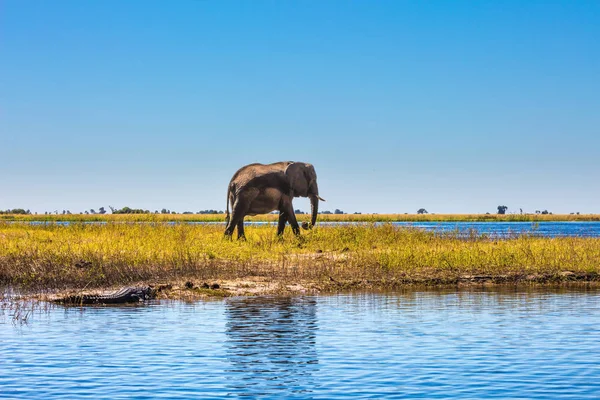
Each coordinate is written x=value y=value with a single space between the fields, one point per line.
x=165 y=211
x=300 y=212
x=325 y=212
x=188 y=212
x=101 y=210
x=127 y=210
x=502 y=209
x=356 y=212
x=338 y=211
x=521 y=210
x=86 y=212
x=112 y=209
x=92 y=211
x=421 y=211
x=545 y=212
x=16 y=211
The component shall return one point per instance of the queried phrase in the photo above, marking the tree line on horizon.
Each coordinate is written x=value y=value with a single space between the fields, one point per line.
x=127 y=210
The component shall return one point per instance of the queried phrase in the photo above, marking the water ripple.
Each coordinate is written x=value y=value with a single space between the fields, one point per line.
x=445 y=344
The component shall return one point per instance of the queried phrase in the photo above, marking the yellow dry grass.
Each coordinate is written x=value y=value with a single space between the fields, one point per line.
x=81 y=255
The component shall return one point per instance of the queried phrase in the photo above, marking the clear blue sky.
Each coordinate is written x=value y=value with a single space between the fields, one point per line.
x=452 y=106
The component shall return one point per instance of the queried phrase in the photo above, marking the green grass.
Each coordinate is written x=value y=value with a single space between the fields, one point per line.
x=94 y=255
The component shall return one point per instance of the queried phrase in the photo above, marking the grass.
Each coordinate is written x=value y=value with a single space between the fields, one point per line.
x=99 y=255
x=304 y=217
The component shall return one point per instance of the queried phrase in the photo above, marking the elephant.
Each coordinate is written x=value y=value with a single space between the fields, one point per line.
x=262 y=188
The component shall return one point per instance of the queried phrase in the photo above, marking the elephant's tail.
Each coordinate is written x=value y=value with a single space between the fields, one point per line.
x=227 y=212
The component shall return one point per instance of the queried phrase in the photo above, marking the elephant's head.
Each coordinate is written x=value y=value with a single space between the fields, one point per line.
x=303 y=183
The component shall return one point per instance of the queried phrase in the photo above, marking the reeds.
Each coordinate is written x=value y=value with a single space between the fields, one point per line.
x=81 y=255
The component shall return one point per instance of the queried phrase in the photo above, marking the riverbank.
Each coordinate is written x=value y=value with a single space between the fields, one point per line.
x=89 y=257
x=191 y=290
x=220 y=218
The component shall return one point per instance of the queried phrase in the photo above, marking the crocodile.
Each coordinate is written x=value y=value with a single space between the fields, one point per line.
x=125 y=295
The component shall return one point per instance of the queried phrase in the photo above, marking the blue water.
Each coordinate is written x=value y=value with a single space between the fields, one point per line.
x=430 y=344
x=502 y=229
x=496 y=229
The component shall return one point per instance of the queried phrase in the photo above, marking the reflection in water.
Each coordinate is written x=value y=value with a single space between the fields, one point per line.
x=271 y=344
x=478 y=343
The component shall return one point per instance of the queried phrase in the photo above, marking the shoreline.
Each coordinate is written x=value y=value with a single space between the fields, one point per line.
x=192 y=290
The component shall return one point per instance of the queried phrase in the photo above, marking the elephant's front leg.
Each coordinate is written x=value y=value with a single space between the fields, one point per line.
x=294 y=223
x=282 y=221
x=288 y=209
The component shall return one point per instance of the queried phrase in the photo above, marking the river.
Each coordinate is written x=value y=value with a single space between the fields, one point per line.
x=496 y=229
x=480 y=343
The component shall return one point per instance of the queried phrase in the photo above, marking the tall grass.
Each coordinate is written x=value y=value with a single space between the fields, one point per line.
x=95 y=255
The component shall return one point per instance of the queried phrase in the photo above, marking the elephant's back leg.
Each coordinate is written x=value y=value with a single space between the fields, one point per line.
x=229 y=227
x=240 y=228
x=240 y=208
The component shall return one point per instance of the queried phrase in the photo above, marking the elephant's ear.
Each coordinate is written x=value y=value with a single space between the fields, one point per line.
x=296 y=173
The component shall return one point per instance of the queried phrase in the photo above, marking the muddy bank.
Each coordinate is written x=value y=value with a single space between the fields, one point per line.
x=190 y=289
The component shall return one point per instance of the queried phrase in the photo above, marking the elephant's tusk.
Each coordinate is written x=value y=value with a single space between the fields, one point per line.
x=320 y=198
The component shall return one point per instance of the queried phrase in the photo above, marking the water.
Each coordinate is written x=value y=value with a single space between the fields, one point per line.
x=495 y=229
x=503 y=229
x=431 y=344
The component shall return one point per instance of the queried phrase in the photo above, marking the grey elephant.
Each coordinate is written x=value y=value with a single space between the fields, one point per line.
x=262 y=188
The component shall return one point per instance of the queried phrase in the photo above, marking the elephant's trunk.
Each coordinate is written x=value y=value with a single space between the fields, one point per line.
x=314 y=209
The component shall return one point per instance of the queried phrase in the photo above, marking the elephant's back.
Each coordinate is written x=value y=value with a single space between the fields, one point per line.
x=256 y=170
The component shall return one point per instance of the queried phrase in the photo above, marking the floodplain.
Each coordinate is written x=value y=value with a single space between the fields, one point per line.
x=189 y=259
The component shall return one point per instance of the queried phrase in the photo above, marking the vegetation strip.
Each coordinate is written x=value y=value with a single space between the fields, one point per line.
x=77 y=256
x=304 y=217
